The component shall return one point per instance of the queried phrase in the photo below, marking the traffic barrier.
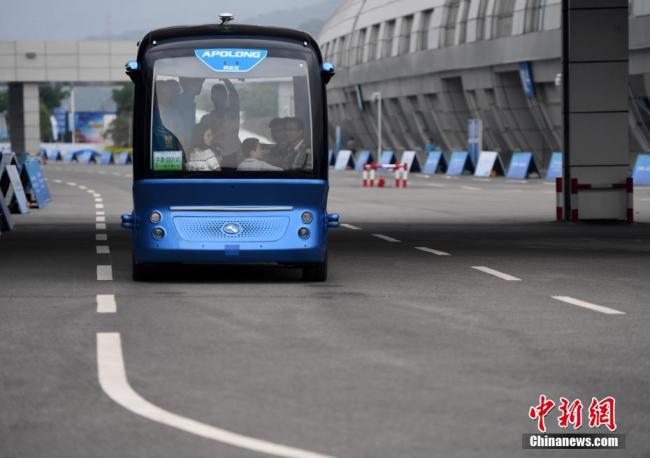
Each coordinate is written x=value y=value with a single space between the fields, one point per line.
x=576 y=187
x=522 y=165
x=123 y=159
x=86 y=156
x=387 y=157
x=330 y=157
x=369 y=174
x=554 y=166
x=53 y=155
x=410 y=158
x=459 y=164
x=489 y=165
x=435 y=162
x=641 y=172
x=6 y=220
x=12 y=189
x=344 y=160
x=69 y=157
x=34 y=183
x=365 y=157
x=106 y=158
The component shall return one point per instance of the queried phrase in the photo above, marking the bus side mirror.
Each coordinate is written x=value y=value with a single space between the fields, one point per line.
x=328 y=71
x=127 y=221
x=132 y=69
x=333 y=220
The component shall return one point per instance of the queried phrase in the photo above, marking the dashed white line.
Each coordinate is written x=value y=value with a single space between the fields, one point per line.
x=100 y=213
x=436 y=185
x=482 y=179
x=99 y=200
x=100 y=226
x=496 y=273
x=56 y=180
x=106 y=303
x=71 y=183
x=386 y=238
x=432 y=251
x=81 y=186
x=101 y=237
x=114 y=382
x=103 y=249
x=100 y=219
x=588 y=305
x=104 y=272
x=99 y=205
x=470 y=188
x=350 y=226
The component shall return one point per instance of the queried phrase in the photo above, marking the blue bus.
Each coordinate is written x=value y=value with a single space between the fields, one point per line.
x=230 y=149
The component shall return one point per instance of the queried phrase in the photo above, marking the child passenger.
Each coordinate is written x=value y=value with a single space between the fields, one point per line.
x=252 y=151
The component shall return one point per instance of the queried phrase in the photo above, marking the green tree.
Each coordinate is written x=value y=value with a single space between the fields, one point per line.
x=120 y=128
x=50 y=97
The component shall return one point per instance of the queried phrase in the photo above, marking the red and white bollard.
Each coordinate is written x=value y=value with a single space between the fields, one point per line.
x=559 y=200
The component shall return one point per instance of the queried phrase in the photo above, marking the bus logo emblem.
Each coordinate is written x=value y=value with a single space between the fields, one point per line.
x=232 y=229
x=231 y=60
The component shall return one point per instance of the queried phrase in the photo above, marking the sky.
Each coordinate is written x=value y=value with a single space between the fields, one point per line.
x=81 y=19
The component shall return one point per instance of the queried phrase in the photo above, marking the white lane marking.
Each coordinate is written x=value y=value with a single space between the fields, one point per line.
x=81 y=186
x=470 y=188
x=57 y=181
x=432 y=251
x=71 y=183
x=100 y=226
x=100 y=219
x=481 y=179
x=588 y=305
x=516 y=181
x=436 y=185
x=97 y=195
x=386 y=238
x=645 y=199
x=350 y=226
x=104 y=273
x=114 y=382
x=101 y=172
x=106 y=303
x=115 y=173
x=102 y=249
x=99 y=205
x=101 y=237
x=100 y=213
x=496 y=273
x=90 y=191
x=99 y=200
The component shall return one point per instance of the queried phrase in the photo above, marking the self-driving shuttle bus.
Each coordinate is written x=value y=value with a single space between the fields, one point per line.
x=229 y=149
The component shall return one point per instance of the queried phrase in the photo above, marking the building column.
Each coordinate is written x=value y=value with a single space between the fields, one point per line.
x=24 y=118
x=596 y=136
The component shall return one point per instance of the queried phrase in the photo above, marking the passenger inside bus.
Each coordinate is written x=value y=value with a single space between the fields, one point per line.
x=252 y=149
x=205 y=154
x=226 y=118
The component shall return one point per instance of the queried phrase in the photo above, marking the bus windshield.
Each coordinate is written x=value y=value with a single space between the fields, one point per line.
x=218 y=121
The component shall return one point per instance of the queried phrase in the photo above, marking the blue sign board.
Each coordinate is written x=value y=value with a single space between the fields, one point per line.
x=554 y=166
x=459 y=164
x=365 y=157
x=387 y=157
x=85 y=156
x=106 y=158
x=40 y=192
x=489 y=164
x=123 y=159
x=410 y=158
x=330 y=157
x=53 y=155
x=231 y=60
x=69 y=157
x=521 y=166
x=527 y=82
x=344 y=160
x=435 y=161
x=19 y=200
x=641 y=173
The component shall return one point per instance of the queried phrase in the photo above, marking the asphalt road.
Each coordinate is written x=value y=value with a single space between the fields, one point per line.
x=404 y=352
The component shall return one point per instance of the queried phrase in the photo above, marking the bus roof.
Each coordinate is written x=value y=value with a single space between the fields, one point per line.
x=222 y=30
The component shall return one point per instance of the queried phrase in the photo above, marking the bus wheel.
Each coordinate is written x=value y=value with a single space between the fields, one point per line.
x=315 y=272
x=141 y=272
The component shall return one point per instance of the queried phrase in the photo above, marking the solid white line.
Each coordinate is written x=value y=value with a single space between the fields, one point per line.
x=103 y=249
x=385 y=237
x=71 y=183
x=99 y=206
x=114 y=382
x=431 y=250
x=588 y=305
x=104 y=273
x=100 y=226
x=106 y=303
x=101 y=237
x=470 y=188
x=100 y=219
x=496 y=273
x=350 y=226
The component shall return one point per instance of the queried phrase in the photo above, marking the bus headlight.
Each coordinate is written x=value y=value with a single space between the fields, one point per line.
x=307 y=217
x=155 y=217
x=158 y=233
x=303 y=233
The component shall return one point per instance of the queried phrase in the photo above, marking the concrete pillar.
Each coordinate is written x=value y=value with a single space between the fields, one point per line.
x=24 y=118
x=596 y=136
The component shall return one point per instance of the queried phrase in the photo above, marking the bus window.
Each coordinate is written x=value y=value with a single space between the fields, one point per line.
x=204 y=121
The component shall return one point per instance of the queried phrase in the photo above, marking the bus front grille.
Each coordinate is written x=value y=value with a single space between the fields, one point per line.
x=225 y=228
